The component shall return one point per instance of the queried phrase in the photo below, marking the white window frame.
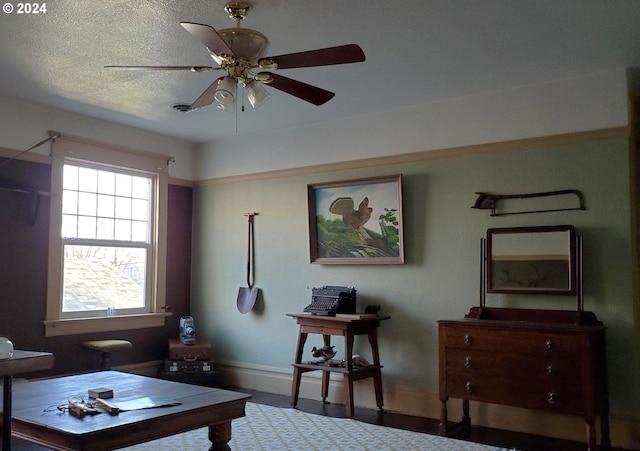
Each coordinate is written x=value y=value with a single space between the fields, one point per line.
x=74 y=150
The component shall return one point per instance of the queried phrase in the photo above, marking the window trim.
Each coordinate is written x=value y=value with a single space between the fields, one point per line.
x=74 y=149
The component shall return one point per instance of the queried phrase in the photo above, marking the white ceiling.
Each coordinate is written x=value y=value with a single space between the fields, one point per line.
x=417 y=51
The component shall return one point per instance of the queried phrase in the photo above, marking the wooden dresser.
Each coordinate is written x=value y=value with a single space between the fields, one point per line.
x=537 y=359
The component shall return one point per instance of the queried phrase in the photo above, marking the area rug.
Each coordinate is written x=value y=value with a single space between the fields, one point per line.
x=267 y=428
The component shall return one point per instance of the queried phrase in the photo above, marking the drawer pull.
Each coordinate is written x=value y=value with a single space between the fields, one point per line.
x=467 y=339
x=468 y=388
x=467 y=361
x=550 y=369
x=549 y=344
x=551 y=398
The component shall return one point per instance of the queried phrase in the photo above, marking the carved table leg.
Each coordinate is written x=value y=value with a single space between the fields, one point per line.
x=219 y=435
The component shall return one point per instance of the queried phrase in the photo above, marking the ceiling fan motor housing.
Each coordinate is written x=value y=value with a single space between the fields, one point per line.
x=246 y=44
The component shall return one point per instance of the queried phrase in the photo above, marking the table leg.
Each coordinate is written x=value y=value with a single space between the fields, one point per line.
x=377 y=384
x=348 y=350
x=373 y=342
x=591 y=435
x=219 y=435
x=325 y=386
x=297 y=374
x=377 y=378
x=6 y=413
x=442 y=427
x=348 y=347
x=605 y=440
x=295 y=388
x=350 y=407
x=466 y=419
x=302 y=339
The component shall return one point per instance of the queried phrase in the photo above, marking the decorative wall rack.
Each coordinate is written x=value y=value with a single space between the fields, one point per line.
x=487 y=201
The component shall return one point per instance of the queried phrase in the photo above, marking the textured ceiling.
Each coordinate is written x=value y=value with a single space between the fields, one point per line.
x=417 y=51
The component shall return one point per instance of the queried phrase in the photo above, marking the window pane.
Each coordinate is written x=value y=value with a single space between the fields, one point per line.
x=86 y=227
x=97 y=277
x=123 y=185
x=141 y=187
x=87 y=204
x=106 y=206
x=139 y=231
x=106 y=229
x=123 y=208
x=88 y=179
x=140 y=209
x=70 y=177
x=106 y=182
x=123 y=230
x=69 y=226
x=70 y=202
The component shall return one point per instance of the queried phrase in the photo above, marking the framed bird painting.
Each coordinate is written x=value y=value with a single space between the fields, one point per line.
x=356 y=222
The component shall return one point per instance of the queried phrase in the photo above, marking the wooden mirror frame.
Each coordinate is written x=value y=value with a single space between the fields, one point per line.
x=532 y=260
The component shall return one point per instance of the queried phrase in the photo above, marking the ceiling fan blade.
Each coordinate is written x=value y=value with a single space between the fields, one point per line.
x=189 y=68
x=209 y=37
x=207 y=97
x=311 y=94
x=350 y=53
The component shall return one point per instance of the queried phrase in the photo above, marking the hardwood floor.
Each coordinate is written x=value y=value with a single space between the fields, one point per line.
x=488 y=436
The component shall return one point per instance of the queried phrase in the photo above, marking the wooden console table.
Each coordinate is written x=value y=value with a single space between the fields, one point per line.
x=536 y=359
x=347 y=328
x=21 y=362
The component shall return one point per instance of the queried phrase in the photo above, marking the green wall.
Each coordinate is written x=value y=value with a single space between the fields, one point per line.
x=440 y=277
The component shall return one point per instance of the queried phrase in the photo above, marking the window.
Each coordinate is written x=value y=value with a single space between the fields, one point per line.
x=107 y=239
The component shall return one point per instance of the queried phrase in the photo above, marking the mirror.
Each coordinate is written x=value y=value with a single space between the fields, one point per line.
x=532 y=260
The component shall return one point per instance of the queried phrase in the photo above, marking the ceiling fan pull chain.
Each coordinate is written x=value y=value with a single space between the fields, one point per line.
x=236 y=111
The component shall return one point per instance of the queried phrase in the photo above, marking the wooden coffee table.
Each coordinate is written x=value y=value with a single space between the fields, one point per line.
x=36 y=418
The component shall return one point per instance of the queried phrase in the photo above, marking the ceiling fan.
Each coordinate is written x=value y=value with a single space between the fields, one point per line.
x=240 y=53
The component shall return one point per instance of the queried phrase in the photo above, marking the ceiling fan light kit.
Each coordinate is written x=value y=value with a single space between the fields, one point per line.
x=240 y=51
x=226 y=90
x=256 y=94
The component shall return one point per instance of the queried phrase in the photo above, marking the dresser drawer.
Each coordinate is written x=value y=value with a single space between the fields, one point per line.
x=522 y=366
x=532 y=394
x=508 y=341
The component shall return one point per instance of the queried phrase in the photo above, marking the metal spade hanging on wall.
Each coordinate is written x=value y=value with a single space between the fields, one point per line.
x=247 y=295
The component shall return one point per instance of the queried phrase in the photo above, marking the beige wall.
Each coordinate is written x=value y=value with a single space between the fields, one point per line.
x=440 y=277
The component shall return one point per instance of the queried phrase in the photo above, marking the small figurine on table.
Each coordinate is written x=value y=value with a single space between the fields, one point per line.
x=326 y=352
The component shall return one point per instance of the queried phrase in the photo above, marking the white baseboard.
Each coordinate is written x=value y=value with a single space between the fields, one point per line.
x=418 y=401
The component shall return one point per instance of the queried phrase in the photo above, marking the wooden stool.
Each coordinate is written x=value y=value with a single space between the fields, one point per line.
x=106 y=347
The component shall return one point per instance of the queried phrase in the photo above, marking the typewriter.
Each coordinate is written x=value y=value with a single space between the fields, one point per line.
x=329 y=300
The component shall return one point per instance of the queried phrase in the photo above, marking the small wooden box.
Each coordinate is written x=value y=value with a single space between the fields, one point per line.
x=201 y=350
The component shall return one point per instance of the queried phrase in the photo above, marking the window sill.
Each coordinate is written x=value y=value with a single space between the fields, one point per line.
x=58 y=327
